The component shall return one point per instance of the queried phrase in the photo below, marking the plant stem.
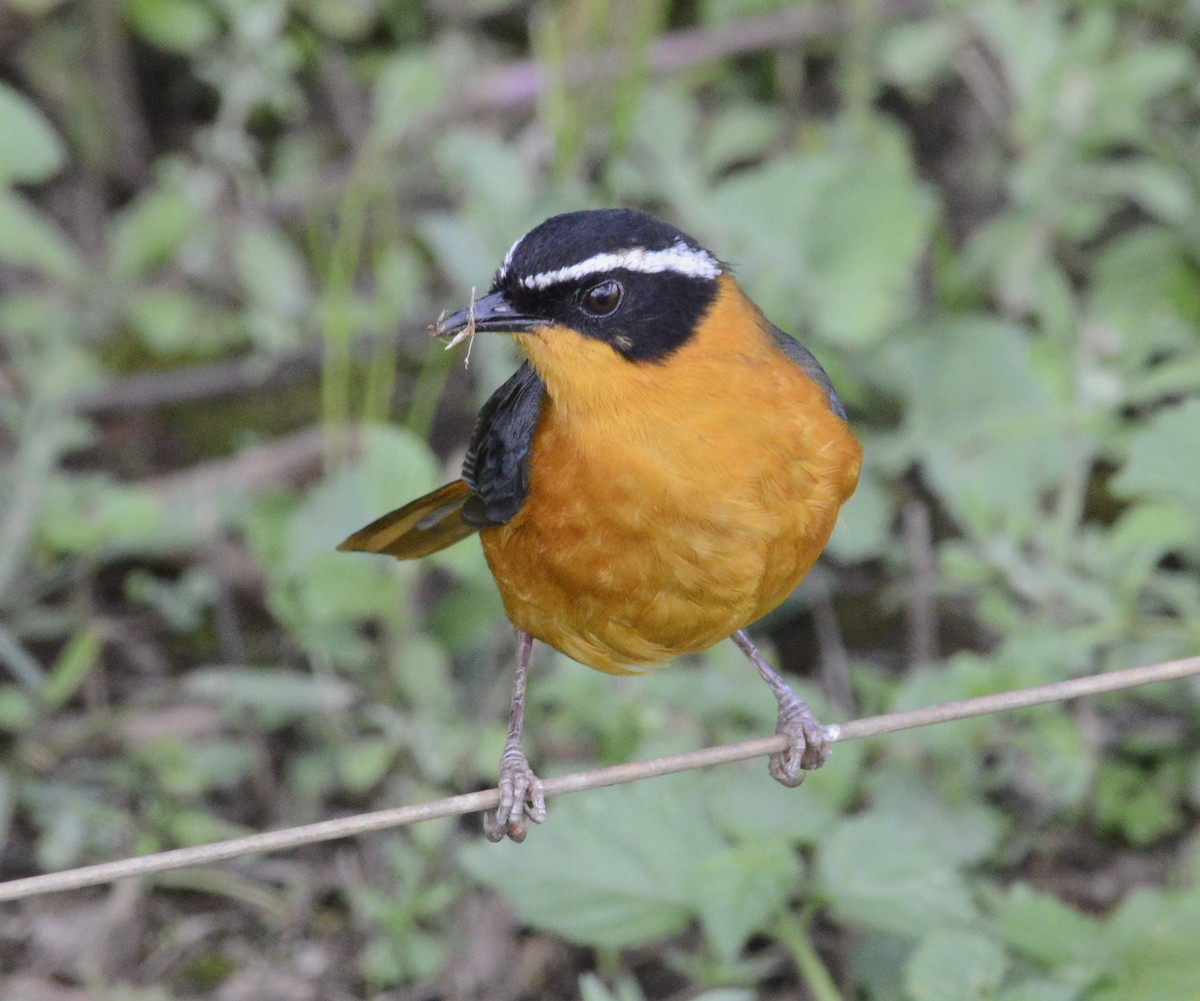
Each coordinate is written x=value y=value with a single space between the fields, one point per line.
x=792 y=930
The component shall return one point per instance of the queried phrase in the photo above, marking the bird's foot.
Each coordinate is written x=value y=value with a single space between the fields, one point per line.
x=521 y=796
x=809 y=743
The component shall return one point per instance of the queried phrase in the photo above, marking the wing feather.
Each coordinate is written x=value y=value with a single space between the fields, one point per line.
x=799 y=354
x=421 y=527
x=497 y=463
x=495 y=480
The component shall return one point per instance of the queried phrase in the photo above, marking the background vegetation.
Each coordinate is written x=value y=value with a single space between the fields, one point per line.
x=224 y=225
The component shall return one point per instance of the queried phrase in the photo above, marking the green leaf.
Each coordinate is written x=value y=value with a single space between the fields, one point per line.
x=953 y=965
x=645 y=847
x=964 y=832
x=1146 y=289
x=864 y=524
x=880 y=870
x=1061 y=759
x=363 y=763
x=1123 y=87
x=758 y=218
x=1141 y=537
x=753 y=809
x=740 y=133
x=1040 y=990
x=76 y=660
x=407 y=88
x=18 y=709
x=743 y=887
x=31 y=151
x=276 y=696
x=91 y=514
x=392 y=467
x=32 y=240
x=1142 y=805
x=344 y=19
x=188 y=827
x=959 y=677
x=415 y=956
x=829 y=239
x=865 y=238
x=981 y=419
x=1159 y=189
x=183 y=26
x=421 y=670
x=191 y=767
x=917 y=54
x=714 y=12
x=1050 y=932
x=467 y=616
x=320 y=594
x=271 y=270
x=662 y=162
x=502 y=199
x=1153 y=933
x=167 y=321
x=71 y=822
x=148 y=232
x=879 y=960
x=1164 y=462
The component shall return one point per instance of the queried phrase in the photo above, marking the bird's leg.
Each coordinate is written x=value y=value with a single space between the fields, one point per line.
x=520 y=790
x=808 y=741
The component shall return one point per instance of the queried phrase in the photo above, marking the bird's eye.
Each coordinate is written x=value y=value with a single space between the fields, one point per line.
x=602 y=299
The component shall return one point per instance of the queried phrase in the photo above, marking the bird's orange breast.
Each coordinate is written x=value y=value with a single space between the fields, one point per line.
x=670 y=503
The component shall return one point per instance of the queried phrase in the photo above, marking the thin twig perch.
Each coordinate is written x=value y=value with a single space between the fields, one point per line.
x=343 y=827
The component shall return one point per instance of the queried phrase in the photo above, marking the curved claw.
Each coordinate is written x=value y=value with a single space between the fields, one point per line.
x=809 y=743
x=809 y=748
x=521 y=796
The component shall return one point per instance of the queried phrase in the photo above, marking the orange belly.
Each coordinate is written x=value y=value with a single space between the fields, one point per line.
x=660 y=524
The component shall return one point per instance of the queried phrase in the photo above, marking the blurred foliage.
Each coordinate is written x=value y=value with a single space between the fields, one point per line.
x=223 y=229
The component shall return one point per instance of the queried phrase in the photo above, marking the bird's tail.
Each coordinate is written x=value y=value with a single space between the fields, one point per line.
x=419 y=528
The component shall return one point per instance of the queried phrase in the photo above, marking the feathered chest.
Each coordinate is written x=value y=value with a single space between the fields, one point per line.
x=642 y=539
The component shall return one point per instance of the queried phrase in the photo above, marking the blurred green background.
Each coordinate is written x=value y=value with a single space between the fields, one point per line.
x=224 y=226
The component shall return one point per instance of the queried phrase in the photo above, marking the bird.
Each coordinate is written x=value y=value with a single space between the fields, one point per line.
x=662 y=469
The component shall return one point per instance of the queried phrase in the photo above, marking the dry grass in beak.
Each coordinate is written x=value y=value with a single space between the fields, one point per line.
x=466 y=334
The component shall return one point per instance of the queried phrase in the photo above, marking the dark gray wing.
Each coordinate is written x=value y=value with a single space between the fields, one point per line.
x=798 y=353
x=497 y=464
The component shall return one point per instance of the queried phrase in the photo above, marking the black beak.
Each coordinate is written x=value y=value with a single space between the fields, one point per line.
x=490 y=313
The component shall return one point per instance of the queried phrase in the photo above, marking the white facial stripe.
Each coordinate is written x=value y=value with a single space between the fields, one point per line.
x=508 y=258
x=680 y=258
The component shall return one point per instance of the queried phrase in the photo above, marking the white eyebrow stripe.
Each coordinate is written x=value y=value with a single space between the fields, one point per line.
x=679 y=258
x=509 y=256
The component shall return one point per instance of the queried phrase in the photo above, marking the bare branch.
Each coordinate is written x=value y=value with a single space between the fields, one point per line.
x=343 y=827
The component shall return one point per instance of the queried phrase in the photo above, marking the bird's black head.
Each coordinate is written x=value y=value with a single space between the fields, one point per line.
x=615 y=275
